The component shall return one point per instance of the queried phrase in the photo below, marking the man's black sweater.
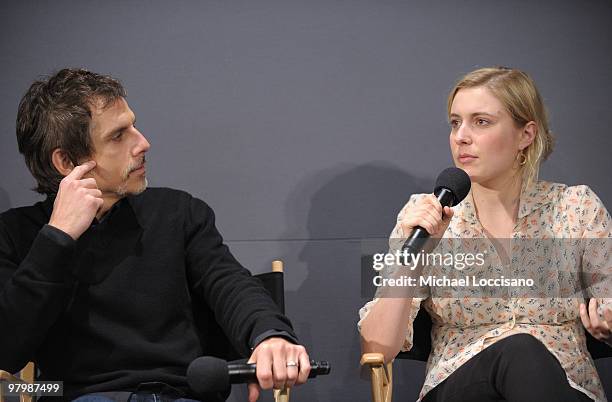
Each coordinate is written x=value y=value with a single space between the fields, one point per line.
x=135 y=299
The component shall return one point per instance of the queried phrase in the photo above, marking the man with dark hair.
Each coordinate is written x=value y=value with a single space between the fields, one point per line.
x=111 y=287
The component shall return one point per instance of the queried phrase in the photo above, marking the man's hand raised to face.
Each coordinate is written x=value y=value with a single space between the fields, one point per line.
x=77 y=202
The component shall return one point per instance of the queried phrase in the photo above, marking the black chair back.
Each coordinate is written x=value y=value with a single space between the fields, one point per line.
x=421 y=338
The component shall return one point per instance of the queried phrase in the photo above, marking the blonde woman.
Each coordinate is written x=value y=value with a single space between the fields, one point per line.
x=512 y=348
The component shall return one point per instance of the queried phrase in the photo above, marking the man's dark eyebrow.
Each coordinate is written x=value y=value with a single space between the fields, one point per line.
x=117 y=129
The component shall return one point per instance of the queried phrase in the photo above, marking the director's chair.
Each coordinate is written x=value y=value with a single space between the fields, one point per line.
x=273 y=282
x=381 y=372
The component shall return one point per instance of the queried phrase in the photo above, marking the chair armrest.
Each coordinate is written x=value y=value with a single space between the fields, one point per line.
x=372 y=359
x=6 y=376
x=381 y=375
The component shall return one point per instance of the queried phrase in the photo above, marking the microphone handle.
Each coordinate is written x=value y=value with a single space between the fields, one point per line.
x=414 y=244
x=240 y=373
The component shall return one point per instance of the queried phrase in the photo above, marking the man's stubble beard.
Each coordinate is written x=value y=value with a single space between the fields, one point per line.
x=122 y=190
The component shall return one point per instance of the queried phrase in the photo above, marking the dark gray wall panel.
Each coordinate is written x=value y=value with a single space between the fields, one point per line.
x=307 y=124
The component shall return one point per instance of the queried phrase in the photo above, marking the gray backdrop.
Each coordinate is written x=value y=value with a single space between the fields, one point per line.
x=307 y=124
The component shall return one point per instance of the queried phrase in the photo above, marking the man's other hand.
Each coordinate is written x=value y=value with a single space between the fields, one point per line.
x=280 y=363
x=77 y=202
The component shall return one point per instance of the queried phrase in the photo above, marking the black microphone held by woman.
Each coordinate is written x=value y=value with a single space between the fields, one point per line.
x=452 y=186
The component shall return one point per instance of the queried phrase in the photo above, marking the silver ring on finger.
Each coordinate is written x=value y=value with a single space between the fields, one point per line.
x=291 y=363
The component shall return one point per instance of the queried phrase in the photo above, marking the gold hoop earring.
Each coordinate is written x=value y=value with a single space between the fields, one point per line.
x=522 y=154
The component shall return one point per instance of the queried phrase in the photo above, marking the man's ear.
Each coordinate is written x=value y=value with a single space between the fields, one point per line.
x=61 y=161
x=530 y=130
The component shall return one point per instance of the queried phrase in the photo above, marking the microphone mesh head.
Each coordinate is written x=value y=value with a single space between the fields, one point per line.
x=207 y=375
x=456 y=180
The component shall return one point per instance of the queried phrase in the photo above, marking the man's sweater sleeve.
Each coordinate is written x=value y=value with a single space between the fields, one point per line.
x=241 y=305
x=33 y=292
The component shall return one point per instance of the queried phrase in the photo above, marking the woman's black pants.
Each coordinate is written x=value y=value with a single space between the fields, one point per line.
x=518 y=368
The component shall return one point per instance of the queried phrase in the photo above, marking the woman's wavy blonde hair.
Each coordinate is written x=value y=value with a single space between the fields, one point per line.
x=521 y=98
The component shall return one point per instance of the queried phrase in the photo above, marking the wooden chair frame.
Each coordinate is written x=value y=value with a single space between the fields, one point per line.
x=26 y=377
x=381 y=375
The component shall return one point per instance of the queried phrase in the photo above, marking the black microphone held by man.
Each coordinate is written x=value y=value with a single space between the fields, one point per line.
x=209 y=374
